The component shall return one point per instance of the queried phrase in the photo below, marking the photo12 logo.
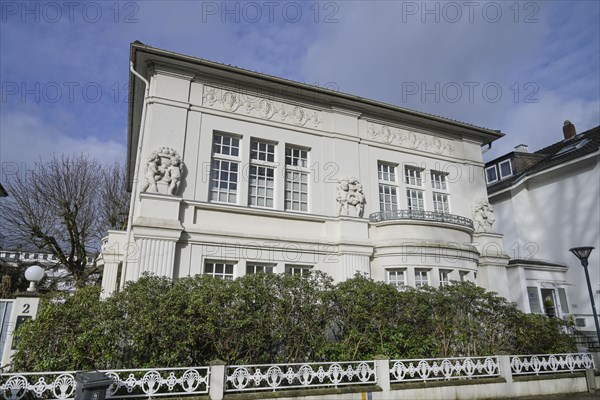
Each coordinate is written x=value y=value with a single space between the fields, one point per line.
x=471 y=92
x=469 y=11
x=270 y=11
x=69 y=11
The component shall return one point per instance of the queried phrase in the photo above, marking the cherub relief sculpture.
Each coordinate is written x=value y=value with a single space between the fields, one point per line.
x=483 y=216
x=164 y=165
x=350 y=193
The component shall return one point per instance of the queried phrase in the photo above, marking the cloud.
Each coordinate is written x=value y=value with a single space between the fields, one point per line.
x=26 y=139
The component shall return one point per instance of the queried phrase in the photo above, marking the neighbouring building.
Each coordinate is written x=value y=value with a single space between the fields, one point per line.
x=545 y=203
x=240 y=172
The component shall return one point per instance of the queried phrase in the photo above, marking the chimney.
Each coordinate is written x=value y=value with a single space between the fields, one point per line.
x=522 y=148
x=569 y=130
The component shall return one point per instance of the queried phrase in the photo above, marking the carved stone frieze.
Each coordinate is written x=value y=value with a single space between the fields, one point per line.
x=409 y=139
x=243 y=103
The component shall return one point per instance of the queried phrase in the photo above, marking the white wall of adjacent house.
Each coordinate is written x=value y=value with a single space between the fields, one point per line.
x=228 y=224
x=542 y=218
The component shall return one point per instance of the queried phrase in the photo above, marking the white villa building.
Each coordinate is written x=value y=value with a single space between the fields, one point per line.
x=547 y=202
x=239 y=172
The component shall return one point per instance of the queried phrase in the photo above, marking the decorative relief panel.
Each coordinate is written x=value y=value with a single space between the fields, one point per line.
x=410 y=139
x=243 y=103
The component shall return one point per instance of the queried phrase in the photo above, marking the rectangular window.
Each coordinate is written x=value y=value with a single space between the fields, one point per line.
x=296 y=157
x=223 y=182
x=438 y=180
x=45 y=256
x=224 y=168
x=258 y=268
x=444 y=277
x=491 y=174
x=396 y=278
x=415 y=200
x=219 y=269
x=296 y=179
x=534 y=299
x=440 y=203
x=388 y=191
x=386 y=172
x=464 y=275
x=226 y=145
x=301 y=270
x=562 y=295
x=505 y=169
x=421 y=277
x=413 y=176
x=262 y=174
x=262 y=151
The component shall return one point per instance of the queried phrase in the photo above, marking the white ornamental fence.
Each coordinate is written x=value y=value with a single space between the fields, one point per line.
x=127 y=383
x=431 y=369
x=218 y=379
x=274 y=377
x=550 y=363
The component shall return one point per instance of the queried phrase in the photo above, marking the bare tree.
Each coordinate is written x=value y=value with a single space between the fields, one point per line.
x=59 y=209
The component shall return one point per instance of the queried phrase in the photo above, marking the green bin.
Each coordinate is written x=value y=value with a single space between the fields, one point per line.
x=91 y=385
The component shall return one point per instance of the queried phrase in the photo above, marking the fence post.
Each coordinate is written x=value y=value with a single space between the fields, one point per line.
x=382 y=366
x=217 y=379
x=504 y=368
x=596 y=357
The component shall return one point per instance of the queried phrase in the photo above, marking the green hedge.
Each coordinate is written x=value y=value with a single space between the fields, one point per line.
x=268 y=318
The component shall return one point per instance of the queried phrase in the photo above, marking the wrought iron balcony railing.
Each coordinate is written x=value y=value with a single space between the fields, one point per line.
x=420 y=216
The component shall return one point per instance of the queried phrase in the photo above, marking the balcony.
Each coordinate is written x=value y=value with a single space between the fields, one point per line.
x=381 y=216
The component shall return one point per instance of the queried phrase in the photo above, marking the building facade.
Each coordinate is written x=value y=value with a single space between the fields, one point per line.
x=547 y=202
x=239 y=172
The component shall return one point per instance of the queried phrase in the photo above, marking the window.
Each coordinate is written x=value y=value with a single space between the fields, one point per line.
x=534 y=299
x=413 y=176
x=262 y=174
x=396 y=278
x=491 y=174
x=505 y=169
x=444 y=277
x=45 y=256
x=296 y=179
x=415 y=200
x=224 y=169
x=26 y=256
x=440 y=203
x=421 y=277
x=464 y=275
x=388 y=192
x=219 y=269
x=562 y=295
x=258 y=268
x=302 y=270
x=35 y=256
x=438 y=180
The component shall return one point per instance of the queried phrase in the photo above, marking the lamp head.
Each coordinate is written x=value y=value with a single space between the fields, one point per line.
x=582 y=253
x=34 y=274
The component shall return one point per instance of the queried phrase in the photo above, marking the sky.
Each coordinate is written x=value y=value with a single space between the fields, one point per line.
x=522 y=67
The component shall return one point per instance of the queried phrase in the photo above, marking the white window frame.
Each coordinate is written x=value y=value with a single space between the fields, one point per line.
x=262 y=162
x=297 y=167
x=441 y=199
x=298 y=269
x=500 y=169
x=214 y=194
x=416 y=174
x=419 y=280
x=392 y=275
x=386 y=177
x=419 y=198
x=444 y=277
x=439 y=181
x=260 y=268
x=495 y=172
x=220 y=275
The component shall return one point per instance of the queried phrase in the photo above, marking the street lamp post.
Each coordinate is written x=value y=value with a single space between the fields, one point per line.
x=583 y=254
